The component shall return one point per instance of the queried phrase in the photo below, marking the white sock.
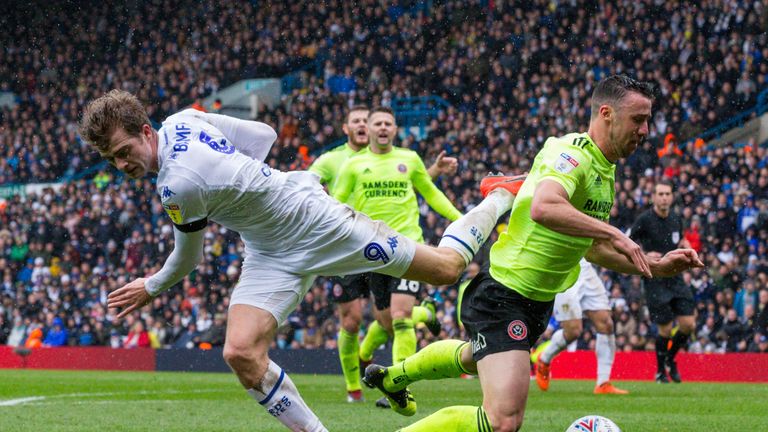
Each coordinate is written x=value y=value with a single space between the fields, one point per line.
x=466 y=234
x=556 y=344
x=605 y=348
x=282 y=400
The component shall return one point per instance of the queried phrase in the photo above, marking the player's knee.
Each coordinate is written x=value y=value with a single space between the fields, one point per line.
x=506 y=423
x=238 y=354
x=351 y=323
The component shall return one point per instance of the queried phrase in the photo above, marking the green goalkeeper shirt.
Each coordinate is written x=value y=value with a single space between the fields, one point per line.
x=382 y=187
x=532 y=259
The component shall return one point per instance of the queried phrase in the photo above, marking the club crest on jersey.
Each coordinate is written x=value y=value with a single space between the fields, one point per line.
x=517 y=330
x=402 y=168
x=676 y=237
x=374 y=252
x=565 y=163
x=220 y=146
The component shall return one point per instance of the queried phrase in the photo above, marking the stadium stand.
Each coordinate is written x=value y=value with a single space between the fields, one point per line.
x=513 y=74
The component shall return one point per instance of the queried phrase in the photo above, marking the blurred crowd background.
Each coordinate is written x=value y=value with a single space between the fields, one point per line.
x=512 y=74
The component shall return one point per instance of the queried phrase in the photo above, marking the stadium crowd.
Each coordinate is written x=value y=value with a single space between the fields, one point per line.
x=513 y=74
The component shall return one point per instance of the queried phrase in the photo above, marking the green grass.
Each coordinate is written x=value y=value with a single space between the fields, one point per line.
x=163 y=401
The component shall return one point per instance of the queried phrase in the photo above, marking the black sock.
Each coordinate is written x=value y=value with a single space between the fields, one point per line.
x=678 y=341
x=661 y=352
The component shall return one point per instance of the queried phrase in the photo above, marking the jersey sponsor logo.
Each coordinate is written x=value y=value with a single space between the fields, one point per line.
x=478 y=343
x=220 y=146
x=166 y=192
x=565 y=163
x=594 y=206
x=676 y=237
x=392 y=242
x=374 y=252
x=181 y=135
x=402 y=168
x=385 y=189
x=174 y=211
x=517 y=330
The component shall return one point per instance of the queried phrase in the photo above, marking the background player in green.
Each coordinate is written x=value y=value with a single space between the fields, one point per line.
x=349 y=290
x=559 y=216
x=380 y=182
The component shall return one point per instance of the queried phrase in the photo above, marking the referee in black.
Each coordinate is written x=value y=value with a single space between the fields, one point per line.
x=658 y=230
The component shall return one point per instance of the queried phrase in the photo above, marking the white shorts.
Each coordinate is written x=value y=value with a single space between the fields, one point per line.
x=341 y=241
x=587 y=294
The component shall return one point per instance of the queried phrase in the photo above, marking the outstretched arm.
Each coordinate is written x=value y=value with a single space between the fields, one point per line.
x=251 y=138
x=674 y=262
x=550 y=207
x=443 y=165
x=186 y=254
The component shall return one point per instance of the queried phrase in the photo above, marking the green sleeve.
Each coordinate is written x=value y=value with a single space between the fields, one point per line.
x=322 y=167
x=345 y=181
x=564 y=163
x=434 y=196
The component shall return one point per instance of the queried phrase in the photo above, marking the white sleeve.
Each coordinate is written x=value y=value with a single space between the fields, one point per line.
x=186 y=254
x=251 y=138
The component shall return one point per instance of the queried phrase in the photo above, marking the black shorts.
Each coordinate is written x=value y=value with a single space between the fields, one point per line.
x=667 y=299
x=351 y=287
x=499 y=319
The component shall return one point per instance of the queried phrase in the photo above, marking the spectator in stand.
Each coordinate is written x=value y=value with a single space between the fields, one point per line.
x=56 y=335
x=138 y=337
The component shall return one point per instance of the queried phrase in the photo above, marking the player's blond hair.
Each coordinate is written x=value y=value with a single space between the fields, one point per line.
x=116 y=109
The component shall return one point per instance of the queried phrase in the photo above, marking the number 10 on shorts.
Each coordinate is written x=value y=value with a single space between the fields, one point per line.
x=408 y=285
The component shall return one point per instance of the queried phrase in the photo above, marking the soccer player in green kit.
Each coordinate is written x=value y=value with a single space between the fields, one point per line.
x=559 y=216
x=379 y=181
x=349 y=290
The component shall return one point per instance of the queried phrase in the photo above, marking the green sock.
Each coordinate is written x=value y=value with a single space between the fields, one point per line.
x=453 y=419
x=350 y=362
x=420 y=314
x=404 y=344
x=374 y=338
x=438 y=360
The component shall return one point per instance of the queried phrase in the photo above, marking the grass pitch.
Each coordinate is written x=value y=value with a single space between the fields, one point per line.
x=164 y=401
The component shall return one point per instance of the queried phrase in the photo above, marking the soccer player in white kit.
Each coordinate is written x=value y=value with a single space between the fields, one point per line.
x=210 y=167
x=587 y=296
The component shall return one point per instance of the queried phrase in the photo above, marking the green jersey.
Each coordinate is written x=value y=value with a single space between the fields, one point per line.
x=381 y=186
x=532 y=259
x=328 y=164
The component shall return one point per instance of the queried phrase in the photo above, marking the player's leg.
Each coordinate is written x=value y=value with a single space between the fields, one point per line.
x=346 y=293
x=249 y=333
x=605 y=350
x=252 y=322
x=660 y=310
x=684 y=308
x=463 y=238
x=504 y=378
x=568 y=332
x=567 y=311
x=403 y=294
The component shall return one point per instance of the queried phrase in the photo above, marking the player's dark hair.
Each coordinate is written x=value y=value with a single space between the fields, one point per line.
x=355 y=108
x=611 y=90
x=664 y=182
x=381 y=109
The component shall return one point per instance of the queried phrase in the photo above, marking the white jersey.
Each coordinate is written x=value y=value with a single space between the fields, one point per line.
x=291 y=228
x=587 y=294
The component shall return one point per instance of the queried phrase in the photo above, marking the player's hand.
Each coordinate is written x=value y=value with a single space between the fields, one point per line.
x=446 y=165
x=633 y=252
x=676 y=262
x=130 y=297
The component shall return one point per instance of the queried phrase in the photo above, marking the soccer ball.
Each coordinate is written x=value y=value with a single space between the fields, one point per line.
x=593 y=423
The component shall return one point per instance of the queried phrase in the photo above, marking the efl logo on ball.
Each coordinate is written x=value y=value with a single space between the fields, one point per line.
x=593 y=423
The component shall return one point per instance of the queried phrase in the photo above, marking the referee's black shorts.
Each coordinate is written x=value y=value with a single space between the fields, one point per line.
x=499 y=319
x=667 y=299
